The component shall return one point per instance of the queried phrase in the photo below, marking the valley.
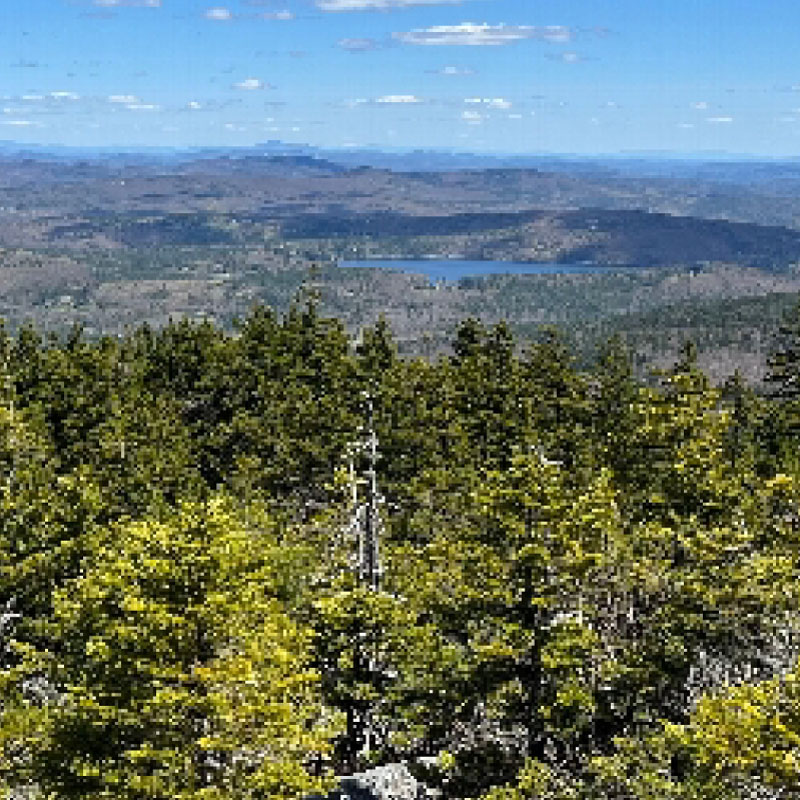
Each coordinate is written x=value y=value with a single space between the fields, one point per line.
x=109 y=243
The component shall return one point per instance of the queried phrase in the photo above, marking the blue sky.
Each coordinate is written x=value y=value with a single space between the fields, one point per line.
x=522 y=76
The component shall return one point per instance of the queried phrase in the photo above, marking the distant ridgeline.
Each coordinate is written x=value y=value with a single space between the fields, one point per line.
x=622 y=237
x=586 y=587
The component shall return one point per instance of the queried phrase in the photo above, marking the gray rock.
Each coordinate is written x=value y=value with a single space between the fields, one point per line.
x=390 y=782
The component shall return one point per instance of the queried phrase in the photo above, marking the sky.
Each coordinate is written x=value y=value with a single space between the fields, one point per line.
x=500 y=76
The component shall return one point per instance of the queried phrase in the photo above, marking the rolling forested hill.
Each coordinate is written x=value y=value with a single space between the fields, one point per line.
x=112 y=241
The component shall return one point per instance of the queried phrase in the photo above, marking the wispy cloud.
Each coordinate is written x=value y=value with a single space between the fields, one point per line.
x=142 y=107
x=719 y=120
x=19 y=123
x=471 y=33
x=377 y=5
x=65 y=96
x=251 y=84
x=570 y=57
x=384 y=100
x=489 y=102
x=553 y=33
x=700 y=105
x=219 y=14
x=359 y=45
x=223 y=14
x=125 y=99
x=398 y=98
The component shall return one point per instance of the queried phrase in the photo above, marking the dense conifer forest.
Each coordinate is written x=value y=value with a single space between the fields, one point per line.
x=589 y=585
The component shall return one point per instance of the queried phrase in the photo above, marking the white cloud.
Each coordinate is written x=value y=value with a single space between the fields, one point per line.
x=386 y=99
x=471 y=33
x=219 y=14
x=686 y=125
x=123 y=98
x=142 y=107
x=700 y=105
x=398 y=98
x=65 y=96
x=279 y=15
x=471 y=116
x=250 y=84
x=194 y=105
x=491 y=102
x=32 y=97
x=450 y=70
x=19 y=123
x=377 y=5
x=719 y=119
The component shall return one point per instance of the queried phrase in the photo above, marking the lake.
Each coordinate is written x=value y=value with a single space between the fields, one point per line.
x=452 y=269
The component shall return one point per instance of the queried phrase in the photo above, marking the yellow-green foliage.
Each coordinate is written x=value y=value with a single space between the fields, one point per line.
x=580 y=570
x=175 y=671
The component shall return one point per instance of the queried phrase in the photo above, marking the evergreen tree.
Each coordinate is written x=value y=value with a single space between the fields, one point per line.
x=783 y=364
x=173 y=671
x=614 y=399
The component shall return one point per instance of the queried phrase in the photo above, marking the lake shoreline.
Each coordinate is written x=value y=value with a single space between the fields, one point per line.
x=454 y=269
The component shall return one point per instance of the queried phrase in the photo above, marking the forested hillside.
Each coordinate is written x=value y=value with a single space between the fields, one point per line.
x=590 y=584
x=707 y=251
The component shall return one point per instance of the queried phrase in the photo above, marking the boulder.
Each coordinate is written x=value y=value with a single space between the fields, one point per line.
x=390 y=782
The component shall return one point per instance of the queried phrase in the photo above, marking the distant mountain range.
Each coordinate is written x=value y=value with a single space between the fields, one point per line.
x=626 y=210
x=112 y=237
x=705 y=166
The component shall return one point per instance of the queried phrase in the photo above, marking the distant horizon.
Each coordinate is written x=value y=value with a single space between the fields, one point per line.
x=272 y=148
